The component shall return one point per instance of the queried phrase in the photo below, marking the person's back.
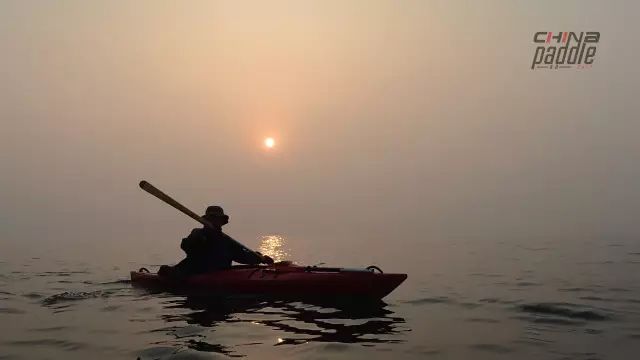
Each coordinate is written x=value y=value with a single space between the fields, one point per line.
x=209 y=249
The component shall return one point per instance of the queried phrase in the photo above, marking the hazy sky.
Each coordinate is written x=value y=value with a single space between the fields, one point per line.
x=400 y=120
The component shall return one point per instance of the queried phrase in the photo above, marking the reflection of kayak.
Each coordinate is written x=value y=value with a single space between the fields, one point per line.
x=281 y=280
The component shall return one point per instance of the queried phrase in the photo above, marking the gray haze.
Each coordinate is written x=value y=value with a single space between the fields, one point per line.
x=395 y=122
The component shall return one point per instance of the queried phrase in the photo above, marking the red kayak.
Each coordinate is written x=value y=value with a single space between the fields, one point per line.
x=281 y=279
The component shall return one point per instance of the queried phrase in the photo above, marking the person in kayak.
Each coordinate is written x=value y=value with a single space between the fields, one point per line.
x=209 y=249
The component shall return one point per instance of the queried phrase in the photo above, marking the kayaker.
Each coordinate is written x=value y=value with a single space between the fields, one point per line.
x=209 y=249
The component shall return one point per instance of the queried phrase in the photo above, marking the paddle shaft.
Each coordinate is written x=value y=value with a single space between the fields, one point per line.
x=144 y=185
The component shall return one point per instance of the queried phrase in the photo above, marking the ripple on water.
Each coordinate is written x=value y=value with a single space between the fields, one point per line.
x=486 y=275
x=186 y=354
x=74 y=296
x=7 y=310
x=188 y=331
x=204 y=346
x=156 y=352
x=616 y=289
x=122 y=281
x=66 y=273
x=552 y=321
x=50 y=329
x=564 y=310
x=579 y=289
x=597 y=298
x=57 y=343
x=430 y=300
x=33 y=295
x=498 y=301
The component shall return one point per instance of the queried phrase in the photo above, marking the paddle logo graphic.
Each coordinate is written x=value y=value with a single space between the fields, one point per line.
x=564 y=50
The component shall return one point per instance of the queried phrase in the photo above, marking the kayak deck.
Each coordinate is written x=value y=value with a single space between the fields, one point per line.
x=280 y=280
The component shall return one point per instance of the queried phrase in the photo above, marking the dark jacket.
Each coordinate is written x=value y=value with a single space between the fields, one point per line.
x=209 y=250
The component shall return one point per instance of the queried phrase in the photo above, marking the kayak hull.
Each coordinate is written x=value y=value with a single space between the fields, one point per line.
x=280 y=281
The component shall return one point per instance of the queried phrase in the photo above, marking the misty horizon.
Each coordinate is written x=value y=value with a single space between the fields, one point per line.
x=395 y=121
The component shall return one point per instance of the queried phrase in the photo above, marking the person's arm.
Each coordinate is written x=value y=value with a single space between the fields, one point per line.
x=241 y=256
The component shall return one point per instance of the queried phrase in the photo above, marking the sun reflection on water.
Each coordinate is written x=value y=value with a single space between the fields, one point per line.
x=273 y=246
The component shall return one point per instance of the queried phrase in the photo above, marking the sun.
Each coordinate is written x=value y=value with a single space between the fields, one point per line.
x=269 y=142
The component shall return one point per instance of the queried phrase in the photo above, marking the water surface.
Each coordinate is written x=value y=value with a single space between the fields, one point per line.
x=496 y=300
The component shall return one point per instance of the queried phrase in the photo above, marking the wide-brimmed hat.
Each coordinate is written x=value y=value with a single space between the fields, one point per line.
x=215 y=211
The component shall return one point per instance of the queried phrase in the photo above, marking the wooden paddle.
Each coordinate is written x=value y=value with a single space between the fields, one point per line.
x=144 y=185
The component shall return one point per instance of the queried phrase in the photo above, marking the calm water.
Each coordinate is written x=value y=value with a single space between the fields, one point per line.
x=484 y=300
